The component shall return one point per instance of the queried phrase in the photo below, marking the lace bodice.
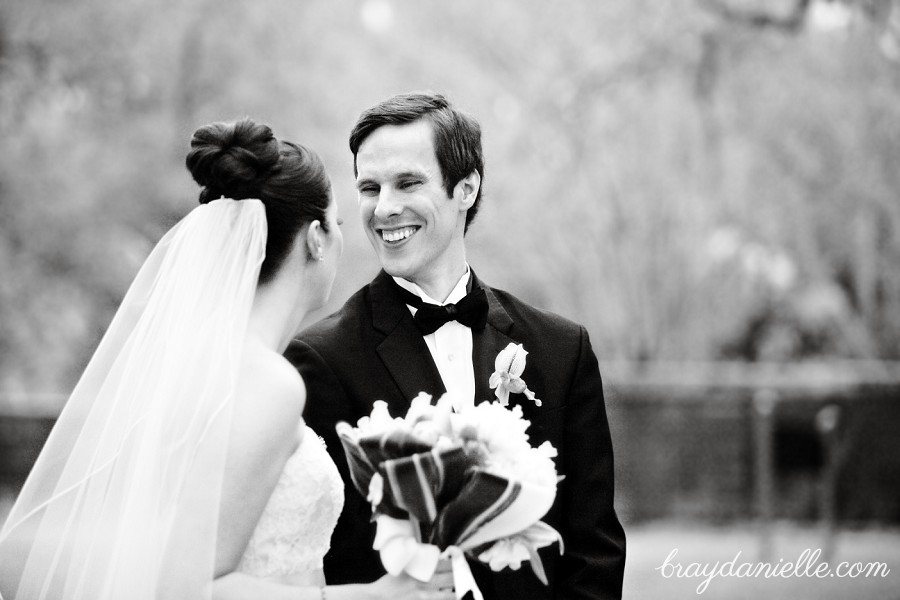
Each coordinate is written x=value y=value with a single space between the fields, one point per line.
x=294 y=531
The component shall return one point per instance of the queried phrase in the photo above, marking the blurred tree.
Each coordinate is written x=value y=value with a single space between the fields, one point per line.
x=691 y=179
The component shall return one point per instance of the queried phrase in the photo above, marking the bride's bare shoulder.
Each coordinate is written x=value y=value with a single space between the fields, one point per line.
x=270 y=392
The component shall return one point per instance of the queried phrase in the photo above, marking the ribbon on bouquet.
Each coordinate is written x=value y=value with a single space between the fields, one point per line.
x=396 y=543
x=463 y=580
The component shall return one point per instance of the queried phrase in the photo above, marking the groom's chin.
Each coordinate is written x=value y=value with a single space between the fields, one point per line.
x=394 y=272
x=393 y=267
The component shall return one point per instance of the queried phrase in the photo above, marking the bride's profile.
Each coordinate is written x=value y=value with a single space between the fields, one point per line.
x=180 y=467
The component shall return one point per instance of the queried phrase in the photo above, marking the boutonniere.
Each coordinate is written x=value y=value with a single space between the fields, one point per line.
x=507 y=376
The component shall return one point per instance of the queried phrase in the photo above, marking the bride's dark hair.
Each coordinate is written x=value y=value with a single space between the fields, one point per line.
x=243 y=159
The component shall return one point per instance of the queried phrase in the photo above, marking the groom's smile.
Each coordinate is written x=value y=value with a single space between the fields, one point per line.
x=396 y=236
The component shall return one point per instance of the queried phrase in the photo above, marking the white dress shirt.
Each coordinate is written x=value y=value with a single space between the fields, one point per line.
x=450 y=345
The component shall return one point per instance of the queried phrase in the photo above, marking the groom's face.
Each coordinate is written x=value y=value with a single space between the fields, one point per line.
x=415 y=228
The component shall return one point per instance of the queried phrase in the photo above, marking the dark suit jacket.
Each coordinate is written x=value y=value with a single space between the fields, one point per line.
x=371 y=350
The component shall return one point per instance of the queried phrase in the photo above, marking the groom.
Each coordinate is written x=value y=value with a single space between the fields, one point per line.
x=419 y=166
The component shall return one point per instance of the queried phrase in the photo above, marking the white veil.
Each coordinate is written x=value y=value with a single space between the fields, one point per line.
x=123 y=500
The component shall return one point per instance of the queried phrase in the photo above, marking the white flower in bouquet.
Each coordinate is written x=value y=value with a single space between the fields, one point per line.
x=502 y=434
x=377 y=422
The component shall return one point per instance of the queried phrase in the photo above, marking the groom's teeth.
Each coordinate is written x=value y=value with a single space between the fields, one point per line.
x=395 y=235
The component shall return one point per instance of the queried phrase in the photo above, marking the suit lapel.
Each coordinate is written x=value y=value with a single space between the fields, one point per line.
x=406 y=356
x=486 y=344
x=403 y=350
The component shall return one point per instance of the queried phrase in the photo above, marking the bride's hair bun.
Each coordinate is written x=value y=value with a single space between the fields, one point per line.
x=244 y=160
x=232 y=159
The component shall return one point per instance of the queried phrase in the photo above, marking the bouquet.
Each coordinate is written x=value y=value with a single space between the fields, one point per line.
x=447 y=484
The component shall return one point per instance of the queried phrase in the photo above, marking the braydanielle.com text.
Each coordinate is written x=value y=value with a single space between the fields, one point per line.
x=807 y=565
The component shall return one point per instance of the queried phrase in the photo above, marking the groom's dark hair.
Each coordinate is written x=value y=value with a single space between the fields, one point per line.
x=457 y=136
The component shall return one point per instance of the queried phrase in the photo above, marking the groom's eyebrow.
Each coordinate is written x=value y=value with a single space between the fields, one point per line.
x=402 y=175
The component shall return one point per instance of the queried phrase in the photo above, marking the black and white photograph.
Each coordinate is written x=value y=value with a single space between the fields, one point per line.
x=432 y=300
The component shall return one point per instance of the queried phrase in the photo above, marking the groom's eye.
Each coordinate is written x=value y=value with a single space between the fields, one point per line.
x=408 y=183
x=367 y=190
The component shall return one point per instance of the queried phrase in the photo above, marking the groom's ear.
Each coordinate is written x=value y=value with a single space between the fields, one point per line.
x=467 y=190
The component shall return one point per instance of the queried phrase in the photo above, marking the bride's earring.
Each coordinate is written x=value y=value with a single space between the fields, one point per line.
x=320 y=255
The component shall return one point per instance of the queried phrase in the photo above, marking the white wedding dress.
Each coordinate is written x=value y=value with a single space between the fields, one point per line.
x=294 y=531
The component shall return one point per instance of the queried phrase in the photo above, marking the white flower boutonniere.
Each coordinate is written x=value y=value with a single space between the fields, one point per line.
x=507 y=376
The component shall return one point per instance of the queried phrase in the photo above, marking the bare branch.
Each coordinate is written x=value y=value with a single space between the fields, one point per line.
x=790 y=22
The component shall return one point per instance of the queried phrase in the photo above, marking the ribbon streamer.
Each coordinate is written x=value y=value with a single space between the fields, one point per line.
x=400 y=552
x=396 y=542
x=463 y=580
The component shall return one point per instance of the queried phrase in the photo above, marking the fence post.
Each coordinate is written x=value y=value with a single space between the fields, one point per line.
x=764 y=402
x=827 y=421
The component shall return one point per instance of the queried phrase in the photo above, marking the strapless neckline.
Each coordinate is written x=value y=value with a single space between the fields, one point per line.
x=294 y=532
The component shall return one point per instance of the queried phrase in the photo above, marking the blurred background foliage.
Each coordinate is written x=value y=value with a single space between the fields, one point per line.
x=691 y=179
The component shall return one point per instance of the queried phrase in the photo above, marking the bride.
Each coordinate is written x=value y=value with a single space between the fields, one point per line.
x=180 y=467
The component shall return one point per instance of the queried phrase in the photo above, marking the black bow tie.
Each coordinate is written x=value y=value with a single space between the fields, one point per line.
x=471 y=311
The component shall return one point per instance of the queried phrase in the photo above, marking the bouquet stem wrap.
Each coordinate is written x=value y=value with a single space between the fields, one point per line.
x=399 y=550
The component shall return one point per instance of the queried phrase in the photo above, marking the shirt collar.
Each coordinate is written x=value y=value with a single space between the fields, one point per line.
x=457 y=294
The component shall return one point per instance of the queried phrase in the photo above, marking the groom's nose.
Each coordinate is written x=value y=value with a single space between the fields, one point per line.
x=388 y=205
